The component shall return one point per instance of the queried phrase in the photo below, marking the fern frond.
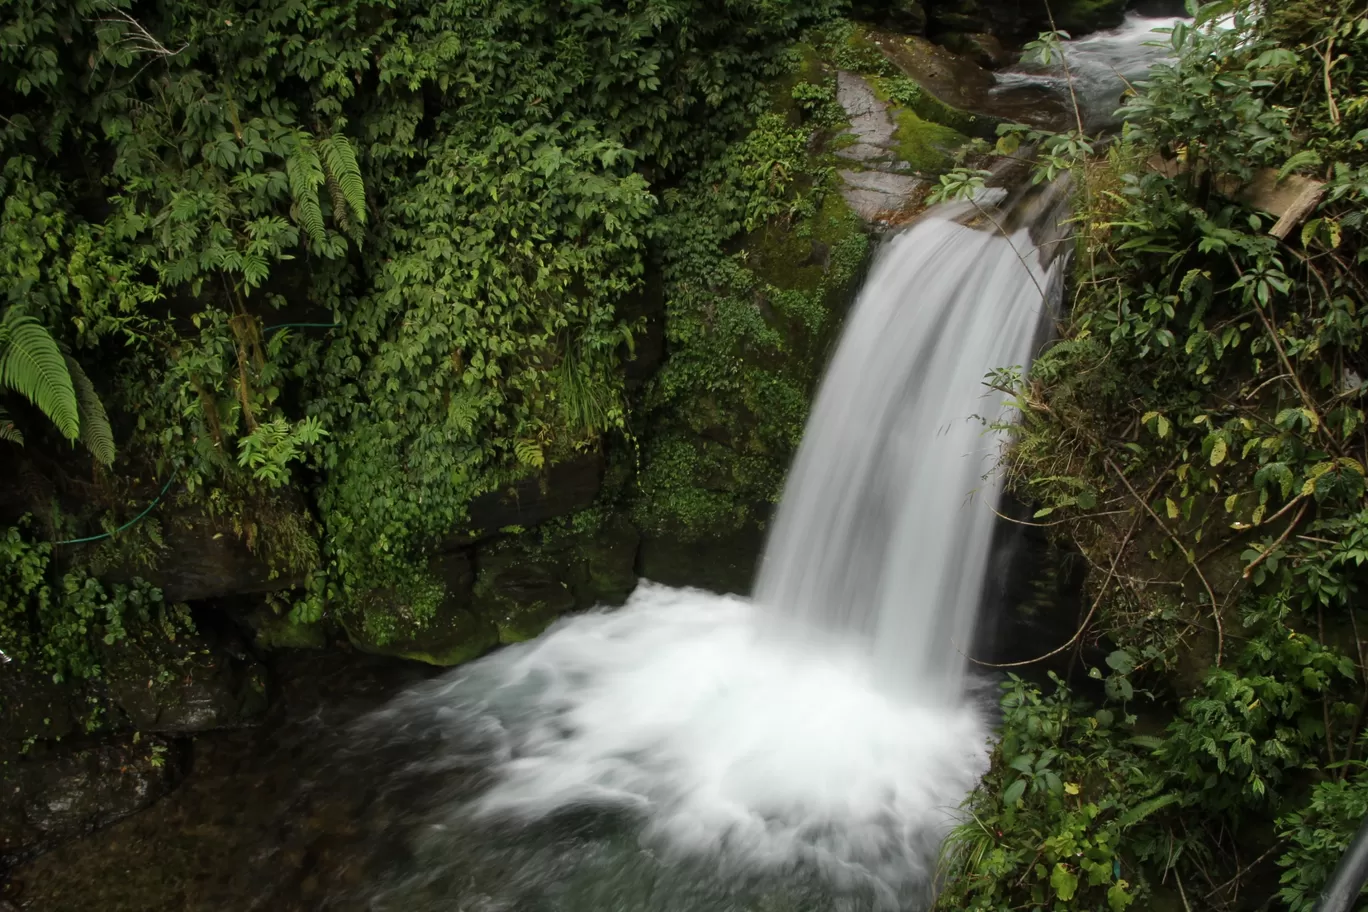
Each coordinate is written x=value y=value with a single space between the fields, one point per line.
x=32 y=365
x=96 y=433
x=340 y=212
x=529 y=453
x=304 y=171
x=1303 y=159
x=1145 y=808
x=340 y=159
x=8 y=432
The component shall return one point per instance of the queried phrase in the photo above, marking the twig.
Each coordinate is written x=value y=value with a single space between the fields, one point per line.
x=1181 y=892
x=1281 y=538
x=1329 y=87
x=1057 y=522
x=1325 y=700
x=142 y=39
x=1192 y=561
x=1292 y=373
x=1008 y=238
x=1078 y=634
x=1245 y=870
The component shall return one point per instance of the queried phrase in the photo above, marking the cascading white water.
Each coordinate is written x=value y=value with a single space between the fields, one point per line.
x=1101 y=66
x=818 y=734
x=884 y=531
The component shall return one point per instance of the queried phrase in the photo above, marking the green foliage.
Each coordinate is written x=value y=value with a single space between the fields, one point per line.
x=746 y=330
x=1064 y=816
x=59 y=627
x=32 y=365
x=1199 y=431
x=1318 y=835
x=465 y=194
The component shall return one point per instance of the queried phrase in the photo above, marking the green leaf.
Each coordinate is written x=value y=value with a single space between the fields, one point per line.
x=304 y=171
x=8 y=432
x=340 y=159
x=32 y=364
x=96 y=433
x=1063 y=882
x=1117 y=897
x=1145 y=808
x=1014 y=792
x=1303 y=159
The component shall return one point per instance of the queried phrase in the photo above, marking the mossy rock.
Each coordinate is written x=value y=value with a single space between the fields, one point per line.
x=722 y=563
x=521 y=593
x=436 y=622
x=281 y=631
x=716 y=460
x=525 y=583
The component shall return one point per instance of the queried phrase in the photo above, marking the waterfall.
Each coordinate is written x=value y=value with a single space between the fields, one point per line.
x=884 y=530
x=806 y=749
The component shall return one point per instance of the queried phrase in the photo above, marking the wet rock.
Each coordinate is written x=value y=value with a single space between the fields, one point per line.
x=726 y=563
x=983 y=49
x=880 y=192
x=563 y=488
x=904 y=15
x=525 y=585
x=521 y=593
x=965 y=95
x=190 y=685
x=453 y=632
x=32 y=705
x=1021 y=19
x=878 y=196
x=55 y=794
x=870 y=123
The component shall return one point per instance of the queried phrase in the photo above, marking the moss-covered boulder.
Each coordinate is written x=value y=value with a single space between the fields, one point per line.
x=434 y=621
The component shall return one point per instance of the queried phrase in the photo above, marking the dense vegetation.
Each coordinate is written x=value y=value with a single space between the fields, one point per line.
x=384 y=255
x=328 y=272
x=1198 y=435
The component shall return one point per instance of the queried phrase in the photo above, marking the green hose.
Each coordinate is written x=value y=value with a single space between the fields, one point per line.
x=90 y=538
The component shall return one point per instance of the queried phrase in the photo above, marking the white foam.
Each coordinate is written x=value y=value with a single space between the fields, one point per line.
x=729 y=745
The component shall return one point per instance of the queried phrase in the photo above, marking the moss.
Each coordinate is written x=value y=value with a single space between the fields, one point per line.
x=282 y=632
x=925 y=145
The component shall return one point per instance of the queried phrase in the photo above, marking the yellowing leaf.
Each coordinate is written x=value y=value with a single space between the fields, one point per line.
x=1218 y=451
x=1071 y=788
x=1171 y=507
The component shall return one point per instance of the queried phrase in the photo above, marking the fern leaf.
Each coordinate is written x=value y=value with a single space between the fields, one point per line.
x=304 y=171
x=340 y=213
x=340 y=159
x=529 y=453
x=32 y=365
x=1145 y=808
x=8 y=432
x=96 y=433
x=1304 y=158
